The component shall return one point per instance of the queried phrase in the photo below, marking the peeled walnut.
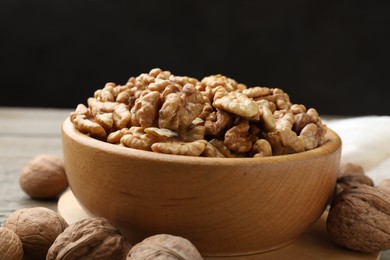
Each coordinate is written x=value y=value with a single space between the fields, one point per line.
x=43 y=177
x=37 y=228
x=93 y=238
x=359 y=219
x=11 y=247
x=164 y=247
x=385 y=186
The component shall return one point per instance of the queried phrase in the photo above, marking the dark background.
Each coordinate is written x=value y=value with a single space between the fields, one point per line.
x=328 y=54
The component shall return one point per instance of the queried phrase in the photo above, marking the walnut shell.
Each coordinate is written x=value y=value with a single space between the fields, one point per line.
x=350 y=169
x=11 y=247
x=164 y=247
x=359 y=219
x=352 y=180
x=37 y=228
x=385 y=186
x=93 y=238
x=43 y=177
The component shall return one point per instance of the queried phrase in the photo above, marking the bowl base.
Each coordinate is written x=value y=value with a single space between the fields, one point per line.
x=313 y=244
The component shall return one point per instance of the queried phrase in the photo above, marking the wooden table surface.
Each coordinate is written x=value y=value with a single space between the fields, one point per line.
x=24 y=134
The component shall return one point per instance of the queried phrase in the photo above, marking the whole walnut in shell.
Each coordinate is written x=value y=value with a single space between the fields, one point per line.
x=43 y=177
x=93 y=238
x=164 y=247
x=37 y=228
x=11 y=247
x=359 y=219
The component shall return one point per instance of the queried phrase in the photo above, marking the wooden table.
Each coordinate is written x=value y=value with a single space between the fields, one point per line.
x=25 y=133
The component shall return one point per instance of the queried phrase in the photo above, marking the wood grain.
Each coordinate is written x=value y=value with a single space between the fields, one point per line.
x=25 y=133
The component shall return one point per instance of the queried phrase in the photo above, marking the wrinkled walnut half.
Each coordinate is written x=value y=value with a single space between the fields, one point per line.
x=359 y=219
x=164 y=247
x=93 y=238
x=37 y=228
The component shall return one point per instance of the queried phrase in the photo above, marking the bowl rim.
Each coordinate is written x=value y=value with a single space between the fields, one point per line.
x=332 y=144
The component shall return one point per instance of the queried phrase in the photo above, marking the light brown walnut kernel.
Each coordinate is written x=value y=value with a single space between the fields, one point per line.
x=167 y=114
x=106 y=96
x=160 y=134
x=212 y=151
x=297 y=109
x=92 y=238
x=115 y=137
x=172 y=88
x=300 y=121
x=219 y=80
x=146 y=108
x=192 y=133
x=218 y=92
x=181 y=108
x=164 y=247
x=195 y=148
x=261 y=148
x=283 y=120
x=207 y=109
x=267 y=119
x=37 y=229
x=43 y=177
x=222 y=148
x=104 y=107
x=105 y=120
x=193 y=104
x=359 y=219
x=137 y=141
x=81 y=121
x=80 y=111
x=310 y=137
x=238 y=104
x=11 y=247
x=121 y=116
x=257 y=92
x=159 y=85
x=285 y=141
x=238 y=138
x=89 y=127
x=217 y=122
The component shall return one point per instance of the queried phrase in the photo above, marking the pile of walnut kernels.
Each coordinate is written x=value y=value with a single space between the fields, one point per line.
x=213 y=117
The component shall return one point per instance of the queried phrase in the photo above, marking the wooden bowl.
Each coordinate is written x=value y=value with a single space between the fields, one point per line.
x=224 y=206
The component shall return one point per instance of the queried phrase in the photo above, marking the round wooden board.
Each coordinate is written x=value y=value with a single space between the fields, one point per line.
x=313 y=244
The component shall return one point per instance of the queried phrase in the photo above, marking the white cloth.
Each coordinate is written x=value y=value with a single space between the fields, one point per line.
x=366 y=142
